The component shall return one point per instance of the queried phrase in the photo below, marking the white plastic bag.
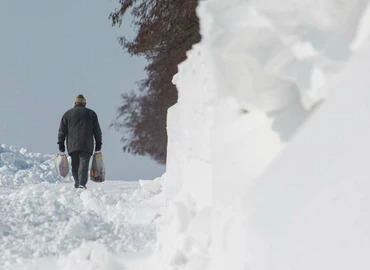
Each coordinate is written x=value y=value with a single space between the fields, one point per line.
x=61 y=165
x=97 y=171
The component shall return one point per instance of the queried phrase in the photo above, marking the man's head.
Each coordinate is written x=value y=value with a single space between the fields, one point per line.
x=80 y=100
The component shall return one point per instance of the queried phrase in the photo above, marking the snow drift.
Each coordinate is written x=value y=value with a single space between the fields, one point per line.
x=262 y=172
x=19 y=167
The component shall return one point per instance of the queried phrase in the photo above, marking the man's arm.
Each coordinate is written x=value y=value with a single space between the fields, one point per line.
x=97 y=133
x=63 y=130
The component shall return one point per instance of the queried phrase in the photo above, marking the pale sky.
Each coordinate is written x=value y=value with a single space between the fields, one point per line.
x=51 y=51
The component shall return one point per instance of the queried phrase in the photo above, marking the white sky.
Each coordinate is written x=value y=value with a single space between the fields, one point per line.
x=51 y=51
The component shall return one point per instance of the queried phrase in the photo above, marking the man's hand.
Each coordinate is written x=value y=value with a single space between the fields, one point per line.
x=62 y=148
x=98 y=146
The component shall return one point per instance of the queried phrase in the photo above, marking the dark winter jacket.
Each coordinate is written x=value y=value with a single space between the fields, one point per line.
x=80 y=126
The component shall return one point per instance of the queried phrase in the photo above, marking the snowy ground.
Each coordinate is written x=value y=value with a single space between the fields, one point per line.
x=54 y=226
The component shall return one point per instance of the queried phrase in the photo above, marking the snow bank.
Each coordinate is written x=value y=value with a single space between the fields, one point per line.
x=245 y=91
x=18 y=167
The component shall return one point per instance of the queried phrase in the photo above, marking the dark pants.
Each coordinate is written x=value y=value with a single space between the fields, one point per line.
x=80 y=167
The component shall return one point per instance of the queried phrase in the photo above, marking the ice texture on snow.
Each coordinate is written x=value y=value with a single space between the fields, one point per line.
x=245 y=91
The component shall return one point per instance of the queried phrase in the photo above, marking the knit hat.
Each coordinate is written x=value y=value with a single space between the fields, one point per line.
x=80 y=99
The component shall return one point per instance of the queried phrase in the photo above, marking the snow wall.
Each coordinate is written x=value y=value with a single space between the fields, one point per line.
x=268 y=143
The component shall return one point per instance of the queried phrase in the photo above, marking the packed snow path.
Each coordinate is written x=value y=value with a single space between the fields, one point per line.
x=55 y=226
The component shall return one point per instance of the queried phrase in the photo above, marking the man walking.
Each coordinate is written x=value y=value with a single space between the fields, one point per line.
x=80 y=126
